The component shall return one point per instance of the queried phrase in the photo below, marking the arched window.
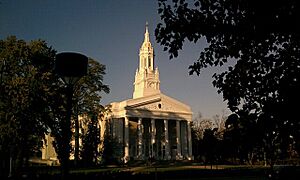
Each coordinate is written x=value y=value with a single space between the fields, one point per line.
x=149 y=61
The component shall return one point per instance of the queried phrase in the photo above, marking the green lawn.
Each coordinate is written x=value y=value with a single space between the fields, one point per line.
x=158 y=172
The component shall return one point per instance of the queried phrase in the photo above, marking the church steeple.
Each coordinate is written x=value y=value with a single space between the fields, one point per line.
x=146 y=78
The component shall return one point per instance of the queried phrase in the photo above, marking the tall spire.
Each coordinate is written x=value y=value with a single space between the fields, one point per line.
x=146 y=53
x=146 y=34
x=146 y=77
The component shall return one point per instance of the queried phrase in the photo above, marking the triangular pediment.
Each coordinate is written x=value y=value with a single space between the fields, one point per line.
x=158 y=102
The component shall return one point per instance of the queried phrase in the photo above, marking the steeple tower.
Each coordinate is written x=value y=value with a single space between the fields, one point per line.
x=146 y=53
x=146 y=78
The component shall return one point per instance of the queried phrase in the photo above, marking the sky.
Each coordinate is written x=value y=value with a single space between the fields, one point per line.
x=111 y=32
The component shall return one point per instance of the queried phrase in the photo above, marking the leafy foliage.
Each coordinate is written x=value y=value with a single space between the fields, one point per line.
x=262 y=38
x=91 y=141
x=25 y=77
x=33 y=99
x=87 y=96
x=112 y=152
x=87 y=93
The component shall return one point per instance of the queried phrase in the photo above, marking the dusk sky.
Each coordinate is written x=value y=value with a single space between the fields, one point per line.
x=111 y=32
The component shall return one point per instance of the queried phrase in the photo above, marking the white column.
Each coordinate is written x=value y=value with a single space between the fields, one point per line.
x=184 y=139
x=189 y=140
x=167 y=148
x=140 y=138
x=152 y=137
x=178 y=140
x=126 y=139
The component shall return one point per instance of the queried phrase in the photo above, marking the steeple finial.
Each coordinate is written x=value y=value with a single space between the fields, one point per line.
x=146 y=33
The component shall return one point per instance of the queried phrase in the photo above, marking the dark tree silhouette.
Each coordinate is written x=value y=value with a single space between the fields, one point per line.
x=241 y=137
x=112 y=150
x=91 y=141
x=262 y=37
x=33 y=101
x=210 y=145
x=87 y=96
x=25 y=80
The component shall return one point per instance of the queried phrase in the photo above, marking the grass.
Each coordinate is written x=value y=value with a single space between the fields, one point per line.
x=188 y=172
x=166 y=171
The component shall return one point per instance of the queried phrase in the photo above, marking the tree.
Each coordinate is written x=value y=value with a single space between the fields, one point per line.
x=112 y=150
x=204 y=130
x=219 y=123
x=210 y=145
x=263 y=40
x=26 y=73
x=33 y=99
x=91 y=141
x=87 y=96
x=240 y=138
x=197 y=129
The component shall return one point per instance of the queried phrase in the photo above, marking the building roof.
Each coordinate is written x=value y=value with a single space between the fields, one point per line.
x=158 y=106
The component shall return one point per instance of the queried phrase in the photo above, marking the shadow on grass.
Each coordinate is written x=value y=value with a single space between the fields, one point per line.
x=162 y=172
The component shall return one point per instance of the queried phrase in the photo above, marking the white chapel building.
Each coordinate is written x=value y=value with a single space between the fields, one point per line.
x=151 y=124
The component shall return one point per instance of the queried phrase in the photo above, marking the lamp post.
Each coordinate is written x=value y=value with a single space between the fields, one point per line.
x=70 y=67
